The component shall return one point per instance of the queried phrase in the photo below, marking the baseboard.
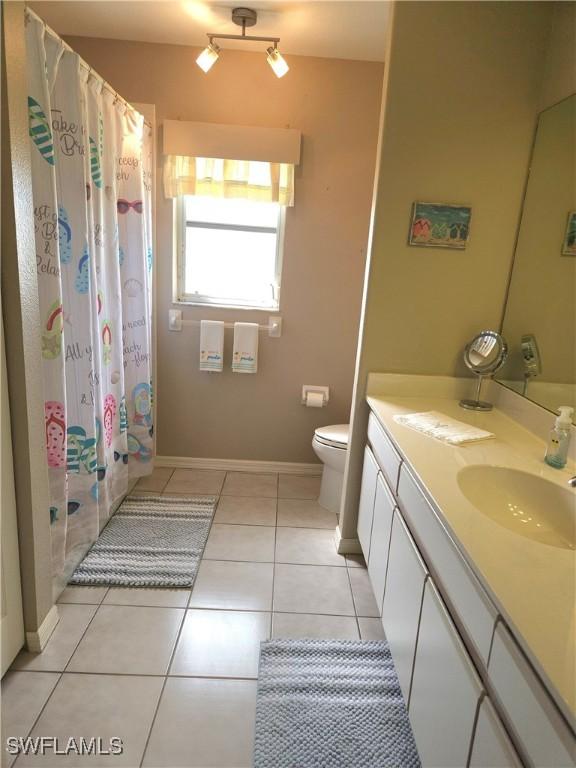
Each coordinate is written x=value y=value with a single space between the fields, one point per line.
x=346 y=546
x=239 y=465
x=36 y=641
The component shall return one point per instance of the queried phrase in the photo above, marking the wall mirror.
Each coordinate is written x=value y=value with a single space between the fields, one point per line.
x=540 y=315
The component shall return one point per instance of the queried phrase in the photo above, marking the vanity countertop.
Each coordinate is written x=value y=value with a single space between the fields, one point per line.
x=533 y=585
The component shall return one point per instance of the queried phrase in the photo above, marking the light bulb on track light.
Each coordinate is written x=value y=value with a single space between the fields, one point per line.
x=277 y=62
x=208 y=57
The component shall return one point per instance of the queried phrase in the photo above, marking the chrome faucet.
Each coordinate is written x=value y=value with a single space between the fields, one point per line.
x=572 y=482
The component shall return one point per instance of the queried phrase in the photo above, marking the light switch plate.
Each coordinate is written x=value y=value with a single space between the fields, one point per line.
x=175 y=319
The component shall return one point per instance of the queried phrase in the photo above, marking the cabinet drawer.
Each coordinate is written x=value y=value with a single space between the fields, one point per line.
x=366 y=504
x=386 y=455
x=539 y=727
x=384 y=504
x=458 y=583
x=403 y=600
x=492 y=747
x=445 y=689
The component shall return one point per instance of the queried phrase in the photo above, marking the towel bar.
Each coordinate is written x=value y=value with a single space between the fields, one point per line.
x=176 y=322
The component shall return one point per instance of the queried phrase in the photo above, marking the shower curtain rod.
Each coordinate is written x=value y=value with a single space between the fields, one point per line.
x=83 y=64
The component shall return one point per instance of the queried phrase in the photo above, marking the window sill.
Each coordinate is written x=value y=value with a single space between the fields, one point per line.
x=206 y=305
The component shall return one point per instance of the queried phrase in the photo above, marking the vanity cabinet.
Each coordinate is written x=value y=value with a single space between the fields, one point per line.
x=366 y=506
x=445 y=688
x=537 y=724
x=472 y=606
x=384 y=504
x=492 y=747
x=403 y=600
x=388 y=458
x=473 y=699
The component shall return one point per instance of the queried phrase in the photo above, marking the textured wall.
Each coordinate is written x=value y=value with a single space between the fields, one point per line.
x=335 y=104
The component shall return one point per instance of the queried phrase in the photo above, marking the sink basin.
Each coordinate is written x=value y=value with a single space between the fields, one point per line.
x=526 y=504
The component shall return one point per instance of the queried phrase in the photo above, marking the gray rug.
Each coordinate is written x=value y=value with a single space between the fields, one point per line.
x=330 y=704
x=151 y=541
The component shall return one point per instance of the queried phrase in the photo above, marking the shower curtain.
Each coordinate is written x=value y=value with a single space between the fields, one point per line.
x=91 y=179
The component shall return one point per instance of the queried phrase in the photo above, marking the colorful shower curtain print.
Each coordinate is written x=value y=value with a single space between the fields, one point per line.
x=92 y=184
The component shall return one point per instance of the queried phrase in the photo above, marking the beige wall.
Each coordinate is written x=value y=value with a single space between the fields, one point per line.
x=463 y=86
x=335 y=104
x=559 y=72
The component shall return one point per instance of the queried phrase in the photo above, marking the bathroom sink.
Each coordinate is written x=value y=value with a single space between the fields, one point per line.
x=523 y=503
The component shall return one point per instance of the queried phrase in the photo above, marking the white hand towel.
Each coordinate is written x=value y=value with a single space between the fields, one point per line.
x=435 y=424
x=211 y=345
x=245 y=354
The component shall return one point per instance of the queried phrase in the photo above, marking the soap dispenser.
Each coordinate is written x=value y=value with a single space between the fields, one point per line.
x=557 y=450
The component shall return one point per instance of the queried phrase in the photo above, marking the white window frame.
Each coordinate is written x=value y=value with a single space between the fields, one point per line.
x=196 y=299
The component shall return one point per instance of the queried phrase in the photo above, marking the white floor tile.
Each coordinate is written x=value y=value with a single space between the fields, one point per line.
x=236 y=586
x=362 y=593
x=299 y=486
x=246 y=510
x=23 y=696
x=251 y=484
x=156 y=482
x=312 y=589
x=128 y=640
x=220 y=644
x=102 y=706
x=203 y=723
x=251 y=543
x=371 y=629
x=307 y=546
x=355 y=561
x=195 y=481
x=305 y=513
x=160 y=598
x=306 y=625
x=73 y=622
x=83 y=595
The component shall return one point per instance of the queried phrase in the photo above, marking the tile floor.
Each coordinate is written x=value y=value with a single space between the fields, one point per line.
x=173 y=672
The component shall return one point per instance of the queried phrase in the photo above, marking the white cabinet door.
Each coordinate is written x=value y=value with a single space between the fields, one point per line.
x=540 y=729
x=445 y=689
x=492 y=747
x=366 y=506
x=403 y=601
x=380 y=541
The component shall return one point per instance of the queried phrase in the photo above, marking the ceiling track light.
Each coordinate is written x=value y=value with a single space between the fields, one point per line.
x=243 y=17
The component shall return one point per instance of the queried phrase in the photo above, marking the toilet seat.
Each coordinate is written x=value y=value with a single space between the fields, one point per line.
x=334 y=436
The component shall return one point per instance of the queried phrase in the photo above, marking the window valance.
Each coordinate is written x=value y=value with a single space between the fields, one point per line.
x=233 y=161
x=241 y=179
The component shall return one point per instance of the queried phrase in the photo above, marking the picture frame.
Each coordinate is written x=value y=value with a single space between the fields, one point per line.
x=569 y=242
x=440 y=225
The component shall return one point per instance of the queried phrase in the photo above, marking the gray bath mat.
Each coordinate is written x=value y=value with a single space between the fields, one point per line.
x=330 y=704
x=151 y=541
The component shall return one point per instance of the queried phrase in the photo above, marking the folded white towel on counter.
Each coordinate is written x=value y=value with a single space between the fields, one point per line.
x=245 y=353
x=211 y=345
x=442 y=427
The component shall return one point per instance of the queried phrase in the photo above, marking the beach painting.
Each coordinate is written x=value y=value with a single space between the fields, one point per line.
x=569 y=245
x=440 y=226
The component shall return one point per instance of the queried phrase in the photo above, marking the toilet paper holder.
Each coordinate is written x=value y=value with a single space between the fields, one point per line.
x=312 y=389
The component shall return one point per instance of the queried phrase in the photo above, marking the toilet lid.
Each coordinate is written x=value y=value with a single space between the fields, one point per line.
x=335 y=435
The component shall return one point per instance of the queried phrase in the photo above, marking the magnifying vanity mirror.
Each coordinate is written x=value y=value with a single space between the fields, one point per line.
x=540 y=314
x=484 y=355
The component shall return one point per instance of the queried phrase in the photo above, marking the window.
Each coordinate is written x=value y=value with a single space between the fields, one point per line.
x=229 y=252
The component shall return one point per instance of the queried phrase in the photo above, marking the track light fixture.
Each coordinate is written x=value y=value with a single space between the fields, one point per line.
x=244 y=17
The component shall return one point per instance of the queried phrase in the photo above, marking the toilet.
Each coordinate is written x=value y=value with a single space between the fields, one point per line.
x=330 y=445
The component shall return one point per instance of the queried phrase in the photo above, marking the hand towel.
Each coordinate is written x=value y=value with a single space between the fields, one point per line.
x=245 y=354
x=435 y=424
x=211 y=345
